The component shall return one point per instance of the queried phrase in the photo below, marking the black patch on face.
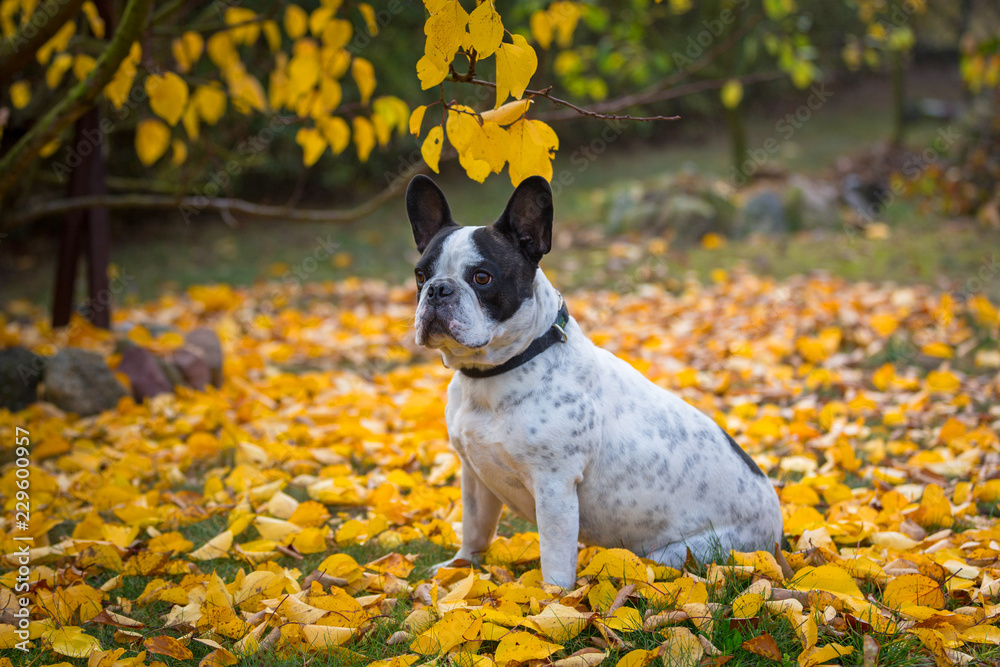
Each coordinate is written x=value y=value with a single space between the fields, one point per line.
x=743 y=455
x=431 y=253
x=513 y=275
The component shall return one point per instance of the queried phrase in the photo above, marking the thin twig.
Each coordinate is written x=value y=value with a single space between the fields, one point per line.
x=679 y=91
x=579 y=110
x=663 y=89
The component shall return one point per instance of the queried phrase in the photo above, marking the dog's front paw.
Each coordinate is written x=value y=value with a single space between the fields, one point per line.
x=454 y=562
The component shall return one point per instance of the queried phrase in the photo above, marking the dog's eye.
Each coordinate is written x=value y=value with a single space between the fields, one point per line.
x=421 y=278
x=482 y=278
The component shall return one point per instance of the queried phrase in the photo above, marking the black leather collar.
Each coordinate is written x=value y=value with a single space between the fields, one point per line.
x=555 y=334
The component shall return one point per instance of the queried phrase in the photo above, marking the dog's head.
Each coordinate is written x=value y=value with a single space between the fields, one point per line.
x=476 y=285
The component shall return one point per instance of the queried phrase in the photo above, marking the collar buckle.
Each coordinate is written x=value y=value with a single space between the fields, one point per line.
x=562 y=332
x=562 y=319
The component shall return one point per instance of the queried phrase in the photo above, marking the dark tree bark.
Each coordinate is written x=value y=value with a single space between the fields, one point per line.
x=86 y=230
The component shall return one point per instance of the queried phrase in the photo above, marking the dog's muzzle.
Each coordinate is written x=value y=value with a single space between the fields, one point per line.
x=438 y=301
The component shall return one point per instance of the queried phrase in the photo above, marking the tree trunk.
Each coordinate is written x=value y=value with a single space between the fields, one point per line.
x=86 y=230
x=737 y=137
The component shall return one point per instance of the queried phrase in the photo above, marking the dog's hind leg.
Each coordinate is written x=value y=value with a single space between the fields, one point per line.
x=710 y=546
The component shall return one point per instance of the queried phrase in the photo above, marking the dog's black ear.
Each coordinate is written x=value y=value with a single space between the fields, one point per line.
x=427 y=210
x=528 y=218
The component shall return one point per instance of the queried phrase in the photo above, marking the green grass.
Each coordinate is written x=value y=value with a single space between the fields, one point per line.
x=897 y=650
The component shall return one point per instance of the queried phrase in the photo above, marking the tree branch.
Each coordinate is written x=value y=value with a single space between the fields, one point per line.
x=664 y=89
x=662 y=95
x=19 y=50
x=225 y=206
x=578 y=110
x=80 y=98
x=654 y=92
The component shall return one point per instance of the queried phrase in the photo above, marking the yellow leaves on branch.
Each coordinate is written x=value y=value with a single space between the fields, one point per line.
x=449 y=28
x=210 y=103
x=731 y=93
x=482 y=148
x=508 y=113
x=484 y=144
x=364 y=76
x=446 y=31
x=57 y=43
x=336 y=132
x=168 y=95
x=306 y=81
x=20 y=94
x=152 y=138
x=485 y=29
x=187 y=49
x=532 y=148
x=430 y=150
x=313 y=144
x=59 y=65
x=118 y=90
x=558 y=20
x=364 y=136
x=516 y=64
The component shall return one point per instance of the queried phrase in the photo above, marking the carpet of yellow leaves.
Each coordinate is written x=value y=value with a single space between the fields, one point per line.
x=329 y=432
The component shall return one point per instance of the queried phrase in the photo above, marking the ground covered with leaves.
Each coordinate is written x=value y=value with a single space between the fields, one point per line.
x=290 y=516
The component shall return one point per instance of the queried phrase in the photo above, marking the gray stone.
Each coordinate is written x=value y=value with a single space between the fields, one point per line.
x=80 y=382
x=20 y=372
x=690 y=217
x=144 y=372
x=627 y=208
x=817 y=203
x=207 y=343
x=763 y=214
x=192 y=366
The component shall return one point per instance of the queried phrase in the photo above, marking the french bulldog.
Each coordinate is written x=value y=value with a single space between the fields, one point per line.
x=562 y=432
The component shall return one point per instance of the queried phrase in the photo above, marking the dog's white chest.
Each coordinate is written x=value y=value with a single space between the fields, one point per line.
x=493 y=447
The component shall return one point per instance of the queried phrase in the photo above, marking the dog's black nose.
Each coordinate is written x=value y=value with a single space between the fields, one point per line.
x=437 y=292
